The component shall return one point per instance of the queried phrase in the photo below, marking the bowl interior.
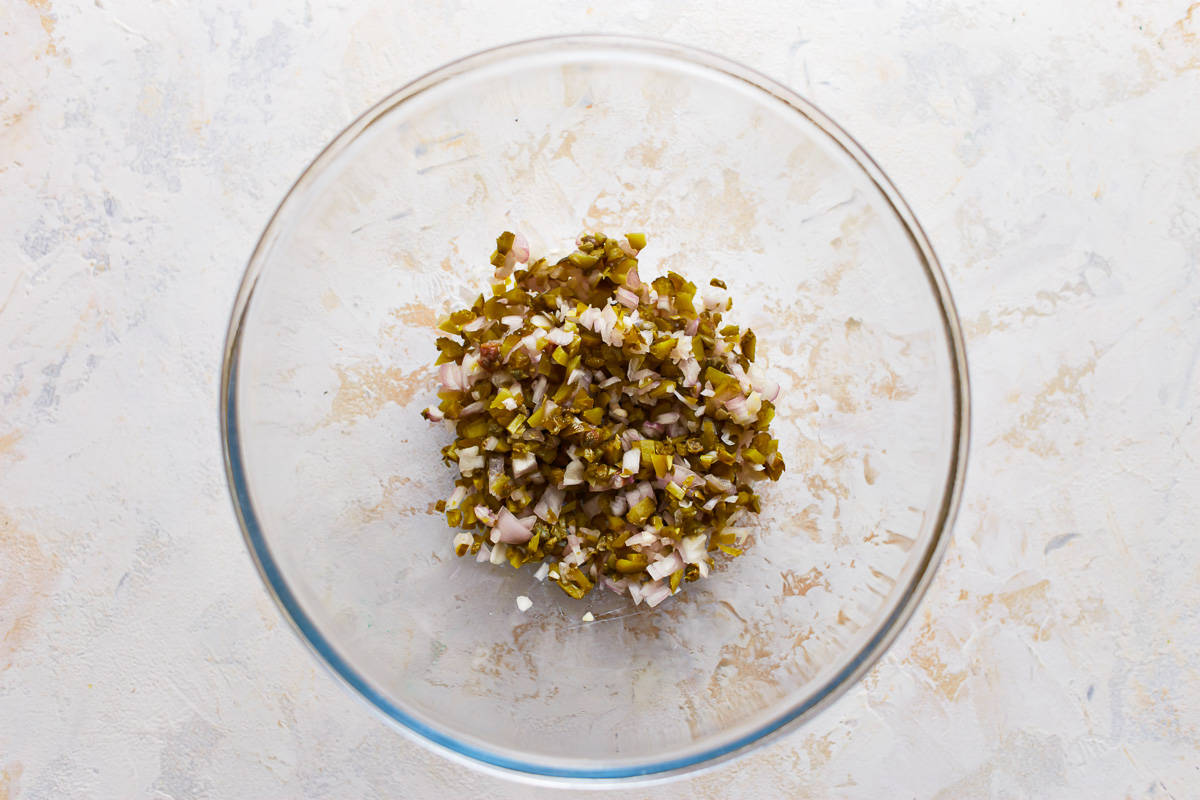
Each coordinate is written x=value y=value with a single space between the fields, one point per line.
x=336 y=473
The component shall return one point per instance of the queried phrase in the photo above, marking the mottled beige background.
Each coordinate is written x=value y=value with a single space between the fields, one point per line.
x=1050 y=149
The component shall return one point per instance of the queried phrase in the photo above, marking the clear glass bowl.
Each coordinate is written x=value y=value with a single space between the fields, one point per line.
x=334 y=473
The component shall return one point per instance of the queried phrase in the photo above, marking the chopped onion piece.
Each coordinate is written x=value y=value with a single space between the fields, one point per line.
x=665 y=566
x=550 y=504
x=485 y=515
x=641 y=538
x=694 y=548
x=456 y=497
x=523 y=464
x=573 y=474
x=510 y=528
x=520 y=248
x=451 y=376
x=560 y=337
x=627 y=298
x=635 y=591
x=655 y=593
x=469 y=460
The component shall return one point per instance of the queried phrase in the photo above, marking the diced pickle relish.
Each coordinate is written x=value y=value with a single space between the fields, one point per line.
x=607 y=427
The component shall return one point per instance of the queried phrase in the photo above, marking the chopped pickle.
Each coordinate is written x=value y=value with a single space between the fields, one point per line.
x=604 y=425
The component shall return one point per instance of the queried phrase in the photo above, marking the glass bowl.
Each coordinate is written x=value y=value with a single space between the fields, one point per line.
x=334 y=473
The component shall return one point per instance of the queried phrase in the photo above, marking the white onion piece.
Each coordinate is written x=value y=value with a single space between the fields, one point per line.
x=469 y=460
x=523 y=464
x=451 y=377
x=520 y=248
x=631 y=462
x=495 y=473
x=633 y=280
x=470 y=365
x=626 y=297
x=655 y=593
x=714 y=297
x=539 y=389
x=692 y=326
x=589 y=318
x=484 y=554
x=591 y=506
x=456 y=497
x=573 y=474
x=472 y=409
x=635 y=591
x=684 y=476
x=739 y=410
x=641 y=539
x=542 y=571
x=651 y=429
x=617 y=586
x=767 y=388
x=693 y=549
x=485 y=515
x=560 y=337
x=665 y=566
x=498 y=553
x=638 y=375
x=510 y=528
x=718 y=484
x=753 y=407
x=549 y=504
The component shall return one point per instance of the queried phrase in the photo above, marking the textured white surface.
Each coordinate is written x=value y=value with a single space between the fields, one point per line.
x=1050 y=150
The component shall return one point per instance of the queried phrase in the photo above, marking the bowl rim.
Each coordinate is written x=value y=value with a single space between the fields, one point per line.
x=708 y=757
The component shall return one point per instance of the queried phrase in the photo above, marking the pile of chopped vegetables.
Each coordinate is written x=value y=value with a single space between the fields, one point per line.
x=607 y=427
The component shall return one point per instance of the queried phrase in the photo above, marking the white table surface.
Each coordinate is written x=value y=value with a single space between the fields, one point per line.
x=1052 y=151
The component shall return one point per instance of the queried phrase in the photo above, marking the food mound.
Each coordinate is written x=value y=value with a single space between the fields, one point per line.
x=608 y=427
